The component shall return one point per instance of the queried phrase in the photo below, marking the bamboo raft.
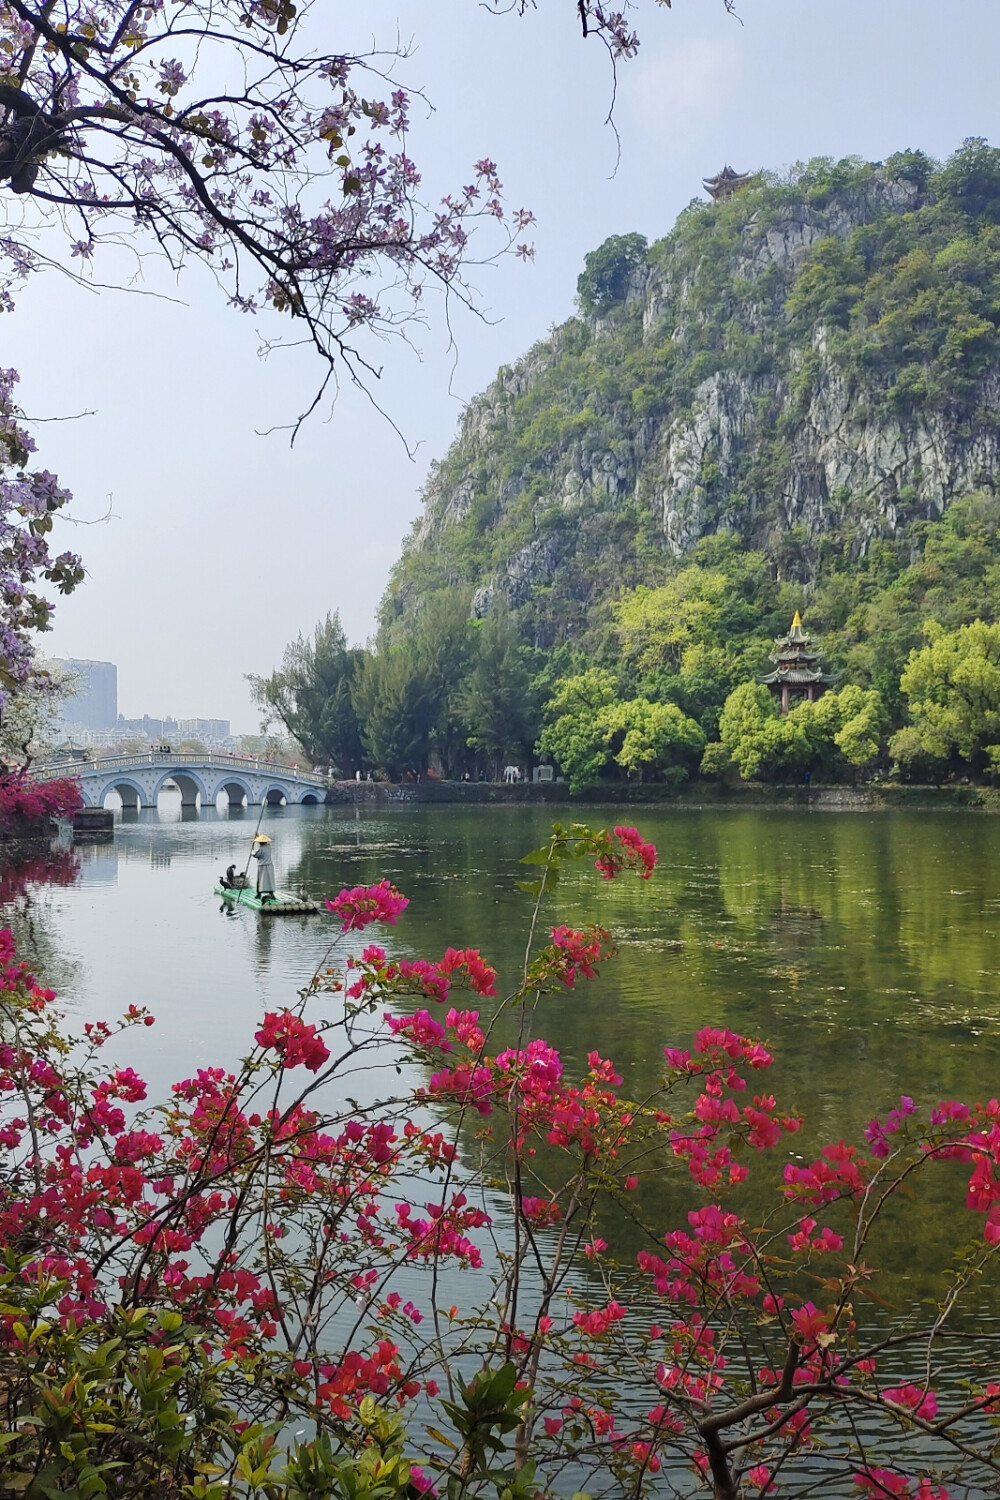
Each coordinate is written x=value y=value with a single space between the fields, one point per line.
x=285 y=903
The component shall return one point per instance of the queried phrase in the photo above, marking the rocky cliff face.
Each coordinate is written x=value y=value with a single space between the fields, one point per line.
x=811 y=365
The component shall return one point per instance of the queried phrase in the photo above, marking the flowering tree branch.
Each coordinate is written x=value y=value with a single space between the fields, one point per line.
x=216 y=128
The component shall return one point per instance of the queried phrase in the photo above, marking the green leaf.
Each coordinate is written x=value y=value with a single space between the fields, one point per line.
x=503 y=1383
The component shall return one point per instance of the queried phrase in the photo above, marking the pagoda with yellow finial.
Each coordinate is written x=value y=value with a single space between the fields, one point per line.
x=798 y=671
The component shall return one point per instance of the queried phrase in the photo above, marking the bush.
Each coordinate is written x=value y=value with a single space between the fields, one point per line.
x=25 y=801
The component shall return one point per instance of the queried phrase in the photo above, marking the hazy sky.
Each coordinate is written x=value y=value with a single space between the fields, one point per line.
x=221 y=545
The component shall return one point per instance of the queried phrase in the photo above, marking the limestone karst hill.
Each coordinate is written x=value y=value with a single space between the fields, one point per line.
x=813 y=364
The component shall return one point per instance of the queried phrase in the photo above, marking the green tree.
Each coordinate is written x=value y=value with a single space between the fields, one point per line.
x=656 y=626
x=498 y=700
x=696 y=636
x=863 y=725
x=590 y=726
x=396 y=707
x=912 y=756
x=311 y=694
x=655 y=738
x=407 y=690
x=971 y=179
x=604 y=280
x=574 y=736
x=760 y=741
x=952 y=687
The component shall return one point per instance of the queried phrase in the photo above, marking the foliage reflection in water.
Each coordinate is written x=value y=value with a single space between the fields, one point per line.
x=864 y=949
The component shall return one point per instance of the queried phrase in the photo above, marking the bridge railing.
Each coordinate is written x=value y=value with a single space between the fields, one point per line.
x=223 y=762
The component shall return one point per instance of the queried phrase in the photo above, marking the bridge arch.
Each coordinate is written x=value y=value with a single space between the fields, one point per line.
x=132 y=793
x=190 y=783
x=236 y=789
x=274 y=796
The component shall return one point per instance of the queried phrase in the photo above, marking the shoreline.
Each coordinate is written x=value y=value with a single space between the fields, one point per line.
x=693 y=795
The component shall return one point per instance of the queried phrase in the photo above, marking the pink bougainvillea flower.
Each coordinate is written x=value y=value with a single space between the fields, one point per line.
x=293 y=1039
x=809 y=1321
x=364 y=904
x=760 y=1477
x=921 y=1403
x=633 y=853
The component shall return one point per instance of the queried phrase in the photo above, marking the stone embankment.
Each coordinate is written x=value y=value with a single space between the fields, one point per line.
x=704 y=794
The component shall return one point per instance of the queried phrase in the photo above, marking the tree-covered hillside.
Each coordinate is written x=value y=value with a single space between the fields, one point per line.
x=791 y=402
x=811 y=366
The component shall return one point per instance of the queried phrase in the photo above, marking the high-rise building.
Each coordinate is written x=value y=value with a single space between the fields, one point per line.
x=94 y=698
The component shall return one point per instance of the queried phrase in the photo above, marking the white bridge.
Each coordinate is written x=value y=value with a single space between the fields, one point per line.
x=139 y=779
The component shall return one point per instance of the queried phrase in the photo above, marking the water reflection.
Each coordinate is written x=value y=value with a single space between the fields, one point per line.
x=863 y=948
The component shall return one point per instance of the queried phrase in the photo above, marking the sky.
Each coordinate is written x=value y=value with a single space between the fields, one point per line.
x=209 y=541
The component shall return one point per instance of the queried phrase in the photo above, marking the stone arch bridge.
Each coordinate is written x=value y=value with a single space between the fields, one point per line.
x=139 y=779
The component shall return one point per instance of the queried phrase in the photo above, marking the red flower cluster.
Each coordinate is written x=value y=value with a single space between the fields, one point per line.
x=574 y=953
x=469 y=963
x=443 y=1232
x=365 y=904
x=922 y=1403
x=633 y=853
x=600 y=1320
x=881 y=1484
x=835 y=1174
x=430 y=981
x=27 y=801
x=342 y=1386
x=293 y=1039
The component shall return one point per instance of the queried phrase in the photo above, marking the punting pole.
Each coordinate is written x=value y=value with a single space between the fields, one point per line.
x=246 y=867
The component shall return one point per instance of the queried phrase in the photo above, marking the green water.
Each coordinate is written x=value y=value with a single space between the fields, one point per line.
x=864 y=949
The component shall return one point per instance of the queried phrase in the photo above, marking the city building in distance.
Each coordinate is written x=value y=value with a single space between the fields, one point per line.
x=88 y=716
x=208 y=732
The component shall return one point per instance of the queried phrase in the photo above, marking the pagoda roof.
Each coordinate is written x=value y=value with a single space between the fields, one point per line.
x=795 y=674
x=726 y=182
x=793 y=654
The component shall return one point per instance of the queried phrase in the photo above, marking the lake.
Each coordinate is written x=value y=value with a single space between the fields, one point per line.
x=862 y=948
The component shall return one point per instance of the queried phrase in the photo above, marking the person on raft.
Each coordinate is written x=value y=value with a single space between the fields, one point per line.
x=265 y=867
x=233 y=882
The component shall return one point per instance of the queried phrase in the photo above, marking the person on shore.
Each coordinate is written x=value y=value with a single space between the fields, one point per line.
x=265 y=867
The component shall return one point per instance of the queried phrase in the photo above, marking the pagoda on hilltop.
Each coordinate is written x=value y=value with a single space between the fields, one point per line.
x=725 y=183
x=798 y=671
